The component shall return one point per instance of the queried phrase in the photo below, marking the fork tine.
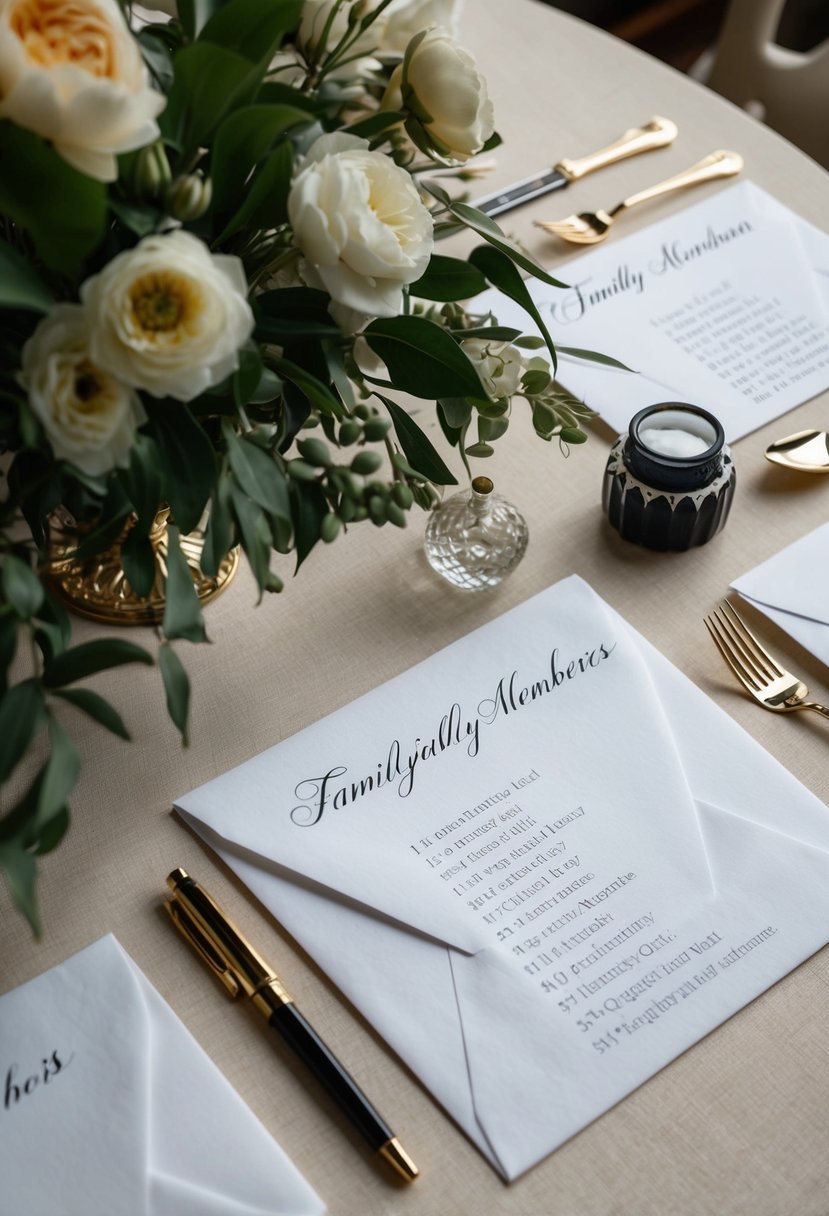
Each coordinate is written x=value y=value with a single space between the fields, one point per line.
x=739 y=646
x=759 y=650
x=748 y=681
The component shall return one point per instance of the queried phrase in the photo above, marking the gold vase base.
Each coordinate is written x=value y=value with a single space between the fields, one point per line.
x=97 y=587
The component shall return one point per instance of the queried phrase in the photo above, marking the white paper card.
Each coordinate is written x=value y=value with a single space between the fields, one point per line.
x=724 y=304
x=792 y=589
x=110 y=1105
x=541 y=862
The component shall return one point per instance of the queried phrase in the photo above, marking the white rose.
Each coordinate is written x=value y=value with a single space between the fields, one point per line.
x=71 y=71
x=360 y=224
x=440 y=86
x=88 y=415
x=499 y=366
x=168 y=316
x=405 y=18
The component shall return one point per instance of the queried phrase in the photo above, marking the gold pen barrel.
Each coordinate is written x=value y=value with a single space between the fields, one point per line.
x=230 y=951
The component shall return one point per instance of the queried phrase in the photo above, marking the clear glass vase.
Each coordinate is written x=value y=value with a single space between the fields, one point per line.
x=475 y=538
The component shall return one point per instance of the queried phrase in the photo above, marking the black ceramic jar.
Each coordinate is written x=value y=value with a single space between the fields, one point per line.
x=669 y=482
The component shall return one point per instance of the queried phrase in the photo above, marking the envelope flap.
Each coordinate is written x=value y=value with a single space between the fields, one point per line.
x=74 y=1043
x=208 y=1151
x=795 y=580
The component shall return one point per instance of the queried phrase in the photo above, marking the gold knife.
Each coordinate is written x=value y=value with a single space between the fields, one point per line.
x=658 y=133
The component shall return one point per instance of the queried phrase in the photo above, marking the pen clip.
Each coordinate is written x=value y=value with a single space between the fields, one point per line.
x=191 y=932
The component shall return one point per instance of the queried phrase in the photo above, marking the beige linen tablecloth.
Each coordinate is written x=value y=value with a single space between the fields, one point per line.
x=737 y=1124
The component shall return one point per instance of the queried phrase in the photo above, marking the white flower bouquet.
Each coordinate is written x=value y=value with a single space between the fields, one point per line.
x=217 y=260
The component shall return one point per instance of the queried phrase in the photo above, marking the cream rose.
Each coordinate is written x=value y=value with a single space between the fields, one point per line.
x=438 y=83
x=88 y=415
x=499 y=366
x=405 y=18
x=360 y=224
x=71 y=71
x=168 y=316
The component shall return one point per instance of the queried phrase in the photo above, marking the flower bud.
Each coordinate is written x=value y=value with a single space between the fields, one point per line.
x=151 y=173
x=188 y=196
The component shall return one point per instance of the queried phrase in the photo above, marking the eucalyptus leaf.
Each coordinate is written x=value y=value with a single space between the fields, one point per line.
x=501 y=272
x=258 y=474
x=21 y=587
x=95 y=707
x=186 y=460
x=423 y=359
x=255 y=535
x=22 y=714
x=309 y=510
x=88 y=658
x=182 y=610
x=176 y=689
x=419 y=450
x=60 y=776
x=448 y=279
x=20 y=869
x=218 y=535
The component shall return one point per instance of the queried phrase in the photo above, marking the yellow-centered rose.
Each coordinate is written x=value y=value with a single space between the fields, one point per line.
x=168 y=316
x=89 y=416
x=71 y=71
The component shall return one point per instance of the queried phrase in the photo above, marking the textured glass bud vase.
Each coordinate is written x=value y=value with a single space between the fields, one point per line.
x=475 y=538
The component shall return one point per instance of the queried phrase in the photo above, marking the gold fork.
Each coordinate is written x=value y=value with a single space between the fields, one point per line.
x=760 y=675
x=593 y=226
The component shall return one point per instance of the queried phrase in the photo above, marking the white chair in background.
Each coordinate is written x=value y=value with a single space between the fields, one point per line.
x=789 y=90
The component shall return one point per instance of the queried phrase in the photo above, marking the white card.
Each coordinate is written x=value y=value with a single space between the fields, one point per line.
x=110 y=1105
x=541 y=862
x=724 y=304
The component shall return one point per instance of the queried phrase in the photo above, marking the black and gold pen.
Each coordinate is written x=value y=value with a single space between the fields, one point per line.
x=220 y=944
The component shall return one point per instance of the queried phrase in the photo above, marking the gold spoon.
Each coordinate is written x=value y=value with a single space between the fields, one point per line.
x=807 y=451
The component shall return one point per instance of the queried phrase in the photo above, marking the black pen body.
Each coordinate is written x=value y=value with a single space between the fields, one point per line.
x=301 y=1037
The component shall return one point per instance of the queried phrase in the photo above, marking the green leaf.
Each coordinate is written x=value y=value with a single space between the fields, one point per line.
x=309 y=510
x=375 y=124
x=593 y=356
x=141 y=481
x=91 y=657
x=21 y=587
x=186 y=460
x=241 y=141
x=251 y=27
x=138 y=561
x=456 y=410
x=489 y=230
x=417 y=447
x=53 y=629
x=318 y=394
x=266 y=196
x=22 y=714
x=65 y=221
x=21 y=872
x=248 y=374
x=423 y=359
x=194 y=14
x=95 y=707
x=208 y=81
x=500 y=270
x=53 y=832
x=8 y=647
x=258 y=474
x=176 y=689
x=572 y=434
x=59 y=776
x=218 y=536
x=492 y=333
x=20 y=284
x=255 y=534
x=448 y=279
x=182 y=610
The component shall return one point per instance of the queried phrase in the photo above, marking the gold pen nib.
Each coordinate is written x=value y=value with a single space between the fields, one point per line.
x=400 y=1161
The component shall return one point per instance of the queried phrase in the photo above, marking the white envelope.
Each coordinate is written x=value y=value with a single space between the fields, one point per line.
x=110 y=1105
x=724 y=304
x=792 y=589
x=534 y=956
